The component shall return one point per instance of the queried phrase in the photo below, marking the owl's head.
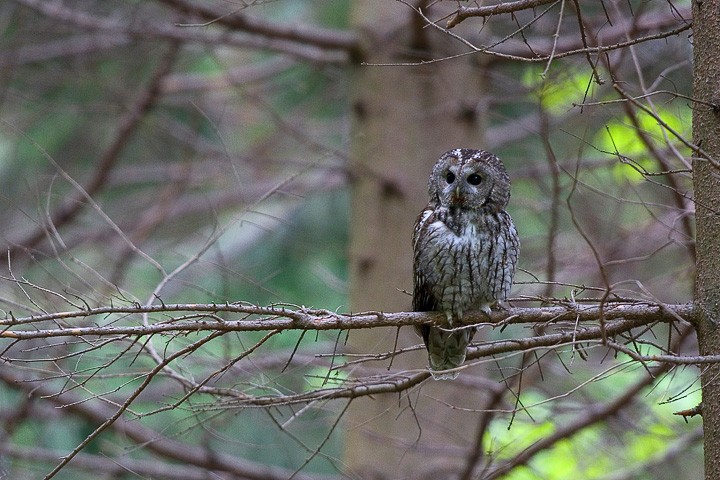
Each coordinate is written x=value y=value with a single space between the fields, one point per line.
x=469 y=179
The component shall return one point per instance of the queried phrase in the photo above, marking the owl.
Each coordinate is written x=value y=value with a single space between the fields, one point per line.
x=465 y=250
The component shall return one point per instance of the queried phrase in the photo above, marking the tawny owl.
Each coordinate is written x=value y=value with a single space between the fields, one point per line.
x=466 y=248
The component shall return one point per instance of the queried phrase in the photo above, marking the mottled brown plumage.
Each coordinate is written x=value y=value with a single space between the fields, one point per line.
x=466 y=248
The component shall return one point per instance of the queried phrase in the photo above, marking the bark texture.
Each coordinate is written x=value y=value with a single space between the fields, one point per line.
x=706 y=178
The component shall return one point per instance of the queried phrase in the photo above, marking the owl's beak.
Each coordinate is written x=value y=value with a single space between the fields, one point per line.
x=457 y=197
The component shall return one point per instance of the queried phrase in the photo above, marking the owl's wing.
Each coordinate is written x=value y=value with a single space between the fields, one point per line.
x=508 y=249
x=423 y=301
x=423 y=298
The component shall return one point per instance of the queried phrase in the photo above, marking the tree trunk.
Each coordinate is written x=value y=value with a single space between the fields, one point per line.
x=404 y=119
x=706 y=178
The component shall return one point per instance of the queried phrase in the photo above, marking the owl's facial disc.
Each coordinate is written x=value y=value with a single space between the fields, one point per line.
x=464 y=186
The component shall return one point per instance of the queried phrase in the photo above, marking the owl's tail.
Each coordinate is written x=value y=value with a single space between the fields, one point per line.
x=446 y=349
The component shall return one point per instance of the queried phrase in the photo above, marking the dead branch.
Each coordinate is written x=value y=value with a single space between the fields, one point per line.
x=317 y=36
x=464 y=13
x=128 y=125
x=591 y=414
x=112 y=467
x=154 y=30
x=161 y=445
x=255 y=318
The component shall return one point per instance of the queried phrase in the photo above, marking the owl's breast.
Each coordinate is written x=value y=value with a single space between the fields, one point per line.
x=457 y=265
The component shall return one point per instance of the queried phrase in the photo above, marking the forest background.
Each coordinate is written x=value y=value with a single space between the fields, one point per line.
x=207 y=210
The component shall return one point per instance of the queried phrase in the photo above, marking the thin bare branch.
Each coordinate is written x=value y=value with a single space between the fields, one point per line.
x=153 y=30
x=239 y=20
x=128 y=125
x=159 y=444
x=463 y=13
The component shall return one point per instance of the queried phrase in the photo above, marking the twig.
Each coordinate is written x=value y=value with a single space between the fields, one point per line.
x=128 y=124
x=463 y=13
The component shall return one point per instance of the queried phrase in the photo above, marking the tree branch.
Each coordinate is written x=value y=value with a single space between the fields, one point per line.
x=590 y=415
x=463 y=13
x=159 y=444
x=608 y=39
x=129 y=123
x=317 y=36
x=110 y=467
x=203 y=318
x=154 y=30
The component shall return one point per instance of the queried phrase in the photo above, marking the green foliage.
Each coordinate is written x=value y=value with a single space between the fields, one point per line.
x=591 y=453
x=622 y=138
x=335 y=14
x=506 y=443
x=558 y=91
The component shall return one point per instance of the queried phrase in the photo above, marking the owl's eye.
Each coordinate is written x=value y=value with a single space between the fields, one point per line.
x=450 y=177
x=474 y=179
